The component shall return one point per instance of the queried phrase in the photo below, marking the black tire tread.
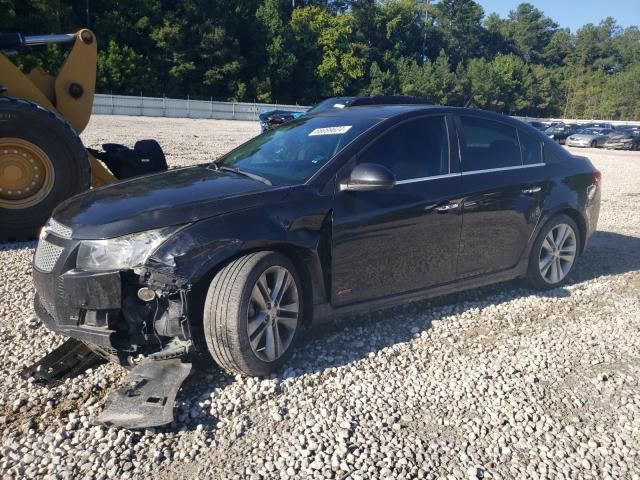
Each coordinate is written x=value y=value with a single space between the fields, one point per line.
x=221 y=305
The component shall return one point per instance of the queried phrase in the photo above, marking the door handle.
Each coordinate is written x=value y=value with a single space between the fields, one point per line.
x=447 y=207
x=528 y=191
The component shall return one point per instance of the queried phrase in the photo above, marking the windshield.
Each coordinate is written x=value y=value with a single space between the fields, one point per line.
x=589 y=131
x=293 y=152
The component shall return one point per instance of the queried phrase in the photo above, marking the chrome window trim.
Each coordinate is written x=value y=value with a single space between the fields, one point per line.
x=474 y=172
x=502 y=169
x=425 y=179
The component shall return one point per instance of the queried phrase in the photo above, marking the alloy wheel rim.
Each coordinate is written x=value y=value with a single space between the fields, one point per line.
x=26 y=173
x=273 y=313
x=558 y=253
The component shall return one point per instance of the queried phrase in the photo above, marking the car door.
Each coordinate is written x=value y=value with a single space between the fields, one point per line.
x=502 y=185
x=603 y=136
x=394 y=241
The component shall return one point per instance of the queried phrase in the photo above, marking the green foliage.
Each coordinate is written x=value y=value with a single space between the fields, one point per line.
x=302 y=51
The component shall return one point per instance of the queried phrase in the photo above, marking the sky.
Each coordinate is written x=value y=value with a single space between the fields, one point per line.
x=573 y=13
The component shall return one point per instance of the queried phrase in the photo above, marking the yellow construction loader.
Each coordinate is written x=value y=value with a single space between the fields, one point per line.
x=42 y=159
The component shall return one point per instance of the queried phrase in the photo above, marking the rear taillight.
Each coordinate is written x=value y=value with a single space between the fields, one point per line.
x=597 y=178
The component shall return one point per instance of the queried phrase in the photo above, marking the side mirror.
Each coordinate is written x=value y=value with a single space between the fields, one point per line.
x=368 y=177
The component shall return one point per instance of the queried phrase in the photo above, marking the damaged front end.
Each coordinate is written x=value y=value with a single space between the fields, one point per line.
x=116 y=313
x=131 y=316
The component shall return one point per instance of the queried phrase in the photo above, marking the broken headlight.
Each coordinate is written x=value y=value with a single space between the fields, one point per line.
x=121 y=253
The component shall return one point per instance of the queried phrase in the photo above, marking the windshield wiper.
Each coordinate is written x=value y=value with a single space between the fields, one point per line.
x=252 y=176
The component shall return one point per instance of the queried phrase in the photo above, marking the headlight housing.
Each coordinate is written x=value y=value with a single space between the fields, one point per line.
x=121 y=253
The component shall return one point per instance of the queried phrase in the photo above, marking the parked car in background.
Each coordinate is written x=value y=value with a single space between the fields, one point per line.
x=623 y=139
x=274 y=118
x=599 y=125
x=560 y=132
x=589 y=137
x=538 y=125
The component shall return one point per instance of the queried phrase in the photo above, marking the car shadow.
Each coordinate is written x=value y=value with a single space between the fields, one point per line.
x=350 y=339
x=11 y=246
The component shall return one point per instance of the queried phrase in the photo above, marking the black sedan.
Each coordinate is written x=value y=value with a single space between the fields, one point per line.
x=330 y=214
x=559 y=133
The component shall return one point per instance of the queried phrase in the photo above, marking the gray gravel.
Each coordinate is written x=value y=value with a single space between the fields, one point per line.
x=501 y=382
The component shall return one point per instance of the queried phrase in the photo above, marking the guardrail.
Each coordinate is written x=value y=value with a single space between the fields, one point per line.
x=180 y=108
x=177 y=108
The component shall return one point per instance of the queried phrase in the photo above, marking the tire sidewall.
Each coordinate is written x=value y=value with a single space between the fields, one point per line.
x=250 y=359
x=533 y=273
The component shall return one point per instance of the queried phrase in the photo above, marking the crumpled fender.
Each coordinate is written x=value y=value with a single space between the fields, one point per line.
x=197 y=249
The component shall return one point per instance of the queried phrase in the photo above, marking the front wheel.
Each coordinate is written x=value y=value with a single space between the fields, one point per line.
x=554 y=253
x=253 y=313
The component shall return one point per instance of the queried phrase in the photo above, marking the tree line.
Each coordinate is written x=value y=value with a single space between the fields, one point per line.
x=300 y=51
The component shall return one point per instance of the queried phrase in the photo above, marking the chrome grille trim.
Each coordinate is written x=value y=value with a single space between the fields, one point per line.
x=47 y=255
x=59 y=229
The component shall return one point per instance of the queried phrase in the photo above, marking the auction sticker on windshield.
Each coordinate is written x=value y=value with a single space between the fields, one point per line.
x=330 y=131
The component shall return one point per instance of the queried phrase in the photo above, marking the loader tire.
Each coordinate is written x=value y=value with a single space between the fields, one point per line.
x=42 y=163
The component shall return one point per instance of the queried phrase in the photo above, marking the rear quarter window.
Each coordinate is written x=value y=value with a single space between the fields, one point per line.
x=531 y=149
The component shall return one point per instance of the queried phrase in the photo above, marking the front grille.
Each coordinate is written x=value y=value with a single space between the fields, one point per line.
x=47 y=254
x=59 y=229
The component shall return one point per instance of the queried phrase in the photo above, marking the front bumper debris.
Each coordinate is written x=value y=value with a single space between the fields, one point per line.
x=148 y=398
x=105 y=318
x=67 y=361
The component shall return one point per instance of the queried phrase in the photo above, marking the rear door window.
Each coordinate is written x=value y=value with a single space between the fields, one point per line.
x=489 y=144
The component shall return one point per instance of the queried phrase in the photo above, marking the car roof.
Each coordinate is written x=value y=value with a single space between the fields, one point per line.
x=383 y=112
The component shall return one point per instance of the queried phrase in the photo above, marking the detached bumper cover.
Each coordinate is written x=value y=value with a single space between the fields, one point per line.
x=148 y=395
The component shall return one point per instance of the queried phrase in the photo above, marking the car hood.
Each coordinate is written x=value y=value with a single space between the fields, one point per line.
x=174 y=197
x=620 y=136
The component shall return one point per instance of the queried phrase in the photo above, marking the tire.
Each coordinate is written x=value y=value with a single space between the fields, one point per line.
x=542 y=278
x=54 y=143
x=230 y=306
x=594 y=144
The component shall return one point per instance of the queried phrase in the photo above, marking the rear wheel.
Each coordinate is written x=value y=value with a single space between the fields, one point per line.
x=554 y=253
x=253 y=313
x=42 y=162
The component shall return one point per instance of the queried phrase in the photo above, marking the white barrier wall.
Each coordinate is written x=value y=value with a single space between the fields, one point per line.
x=171 y=107
x=177 y=108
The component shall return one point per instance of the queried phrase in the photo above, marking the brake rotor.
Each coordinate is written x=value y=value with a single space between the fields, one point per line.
x=26 y=173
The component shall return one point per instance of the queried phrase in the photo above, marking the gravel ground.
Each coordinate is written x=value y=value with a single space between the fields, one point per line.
x=500 y=382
